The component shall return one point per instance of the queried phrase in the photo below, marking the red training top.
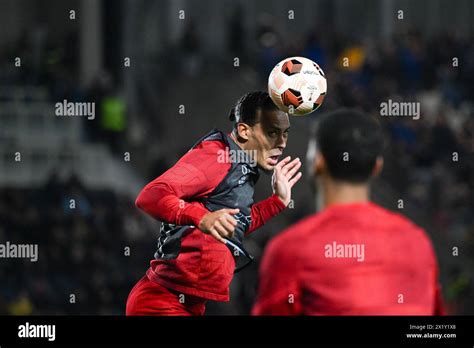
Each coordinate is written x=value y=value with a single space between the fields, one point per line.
x=350 y=259
x=204 y=266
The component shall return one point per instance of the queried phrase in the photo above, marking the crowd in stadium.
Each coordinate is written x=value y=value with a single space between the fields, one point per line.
x=89 y=249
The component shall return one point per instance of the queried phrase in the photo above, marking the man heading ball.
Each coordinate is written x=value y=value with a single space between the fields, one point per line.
x=206 y=204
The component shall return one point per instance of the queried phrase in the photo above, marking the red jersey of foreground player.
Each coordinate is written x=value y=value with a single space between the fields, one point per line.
x=350 y=259
x=204 y=268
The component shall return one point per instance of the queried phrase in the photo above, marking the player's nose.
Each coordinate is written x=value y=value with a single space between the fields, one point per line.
x=281 y=144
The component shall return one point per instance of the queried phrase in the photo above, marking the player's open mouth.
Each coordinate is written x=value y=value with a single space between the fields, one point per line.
x=273 y=160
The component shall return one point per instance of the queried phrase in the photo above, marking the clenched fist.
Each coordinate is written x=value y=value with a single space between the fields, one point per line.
x=219 y=224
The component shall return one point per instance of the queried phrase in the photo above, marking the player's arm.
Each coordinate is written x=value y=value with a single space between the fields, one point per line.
x=172 y=196
x=279 y=291
x=285 y=176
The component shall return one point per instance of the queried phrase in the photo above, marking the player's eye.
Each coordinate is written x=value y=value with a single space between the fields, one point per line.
x=272 y=133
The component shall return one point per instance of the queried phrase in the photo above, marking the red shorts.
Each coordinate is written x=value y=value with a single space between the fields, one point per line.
x=150 y=298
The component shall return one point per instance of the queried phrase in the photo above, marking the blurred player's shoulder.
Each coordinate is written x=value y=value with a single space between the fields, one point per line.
x=337 y=218
x=395 y=221
x=410 y=230
x=296 y=233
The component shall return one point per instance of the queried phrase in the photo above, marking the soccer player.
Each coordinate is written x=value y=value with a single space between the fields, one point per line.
x=206 y=204
x=354 y=257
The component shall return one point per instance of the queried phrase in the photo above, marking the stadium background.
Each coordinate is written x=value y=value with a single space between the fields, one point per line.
x=190 y=62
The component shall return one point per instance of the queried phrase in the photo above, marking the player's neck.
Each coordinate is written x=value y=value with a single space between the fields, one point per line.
x=336 y=192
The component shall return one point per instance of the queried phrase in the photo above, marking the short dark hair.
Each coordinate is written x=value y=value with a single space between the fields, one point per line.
x=245 y=110
x=349 y=133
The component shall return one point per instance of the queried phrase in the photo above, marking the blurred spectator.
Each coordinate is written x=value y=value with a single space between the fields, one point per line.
x=113 y=121
x=190 y=46
x=236 y=33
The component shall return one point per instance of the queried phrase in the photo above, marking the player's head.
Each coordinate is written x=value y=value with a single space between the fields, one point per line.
x=347 y=147
x=261 y=127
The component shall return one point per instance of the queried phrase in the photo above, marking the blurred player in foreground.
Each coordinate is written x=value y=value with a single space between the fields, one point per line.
x=206 y=204
x=353 y=257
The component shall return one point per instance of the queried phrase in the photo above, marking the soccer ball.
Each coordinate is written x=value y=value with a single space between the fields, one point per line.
x=297 y=86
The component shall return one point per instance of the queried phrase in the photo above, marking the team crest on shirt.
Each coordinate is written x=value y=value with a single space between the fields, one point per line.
x=246 y=170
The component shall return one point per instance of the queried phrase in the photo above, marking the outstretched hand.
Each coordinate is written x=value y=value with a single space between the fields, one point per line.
x=285 y=177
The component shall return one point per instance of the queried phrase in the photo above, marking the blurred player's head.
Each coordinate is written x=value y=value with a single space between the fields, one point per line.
x=260 y=126
x=346 y=152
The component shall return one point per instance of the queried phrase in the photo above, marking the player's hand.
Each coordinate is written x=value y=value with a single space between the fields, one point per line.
x=285 y=177
x=219 y=224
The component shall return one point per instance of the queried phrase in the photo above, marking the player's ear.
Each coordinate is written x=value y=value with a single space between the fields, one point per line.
x=243 y=131
x=378 y=166
x=319 y=163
